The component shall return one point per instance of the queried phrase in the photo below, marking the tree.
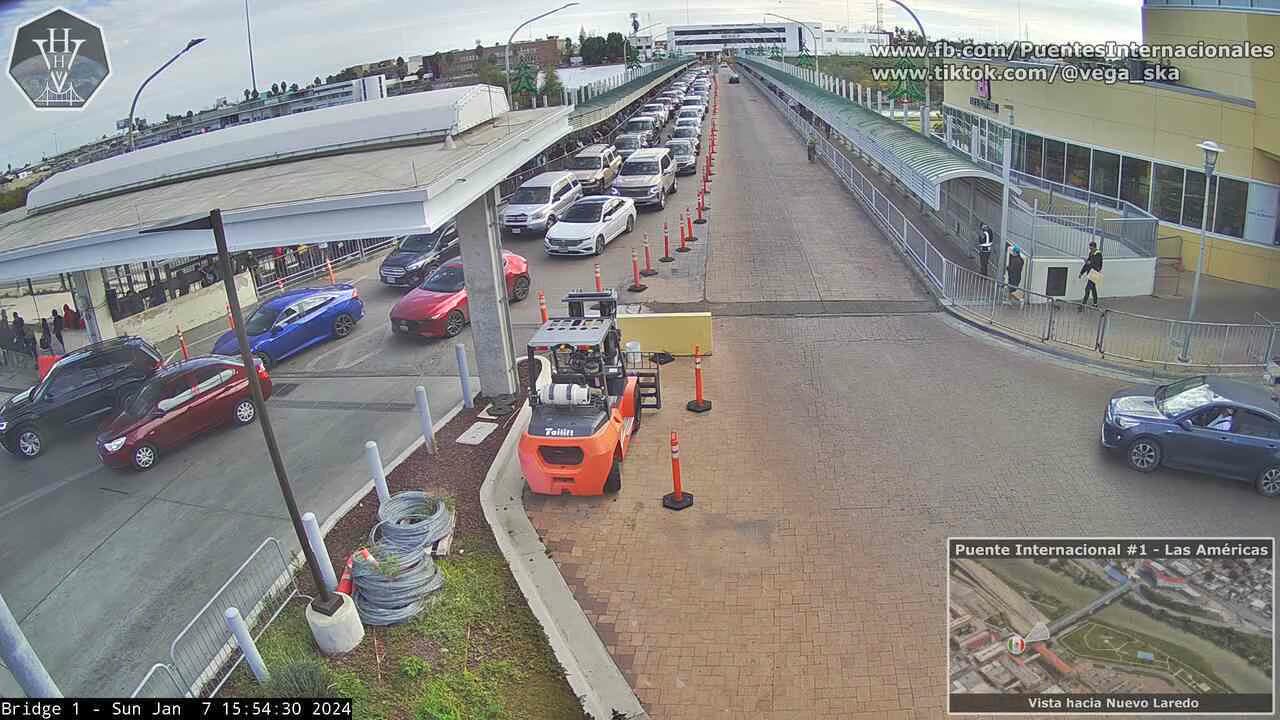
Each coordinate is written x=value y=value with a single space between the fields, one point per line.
x=582 y=35
x=615 y=47
x=490 y=74
x=402 y=68
x=552 y=87
x=566 y=50
x=316 y=82
x=246 y=94
x=190 y=114
x=633 y=57
x=255 y=95
x=593 y=50
x=524 y=82
x=275 y=89
x=293 y=88
x=284 y=88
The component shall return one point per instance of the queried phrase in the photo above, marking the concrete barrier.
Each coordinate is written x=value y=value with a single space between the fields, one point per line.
x=675 y=333
x=157 y=324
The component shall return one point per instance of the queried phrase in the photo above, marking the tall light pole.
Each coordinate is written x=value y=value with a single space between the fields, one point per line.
x=636 y=32
x=507 y=50
x=248 y=31
x=811 y=32
x=1211 y=152
x=925 y=117
x=160 y=69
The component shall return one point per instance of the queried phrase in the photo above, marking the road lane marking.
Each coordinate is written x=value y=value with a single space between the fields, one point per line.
x=34 y=495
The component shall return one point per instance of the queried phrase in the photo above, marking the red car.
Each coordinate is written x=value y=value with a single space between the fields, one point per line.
x=178 y=403
x=438 y=307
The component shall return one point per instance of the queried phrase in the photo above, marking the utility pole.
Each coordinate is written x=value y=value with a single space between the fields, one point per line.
x=21 y=659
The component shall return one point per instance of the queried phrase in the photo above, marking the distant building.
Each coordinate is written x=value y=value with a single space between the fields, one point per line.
x=1050 y=657
x=840 y=42
x=644 y=45
x=736 y=38
x=1144 y=655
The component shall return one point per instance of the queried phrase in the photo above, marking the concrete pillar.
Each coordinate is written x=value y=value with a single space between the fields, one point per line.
x=91 y=301
x=481 y=243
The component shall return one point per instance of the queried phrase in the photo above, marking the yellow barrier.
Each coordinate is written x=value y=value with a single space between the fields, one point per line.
x=675 y=333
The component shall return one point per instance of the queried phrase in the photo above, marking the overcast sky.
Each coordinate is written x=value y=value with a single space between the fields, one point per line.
x=296 y=40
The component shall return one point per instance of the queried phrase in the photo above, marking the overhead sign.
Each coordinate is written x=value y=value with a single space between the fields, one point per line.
x=58 y=60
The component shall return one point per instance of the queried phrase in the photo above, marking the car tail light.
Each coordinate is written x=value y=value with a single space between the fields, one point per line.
x=262 y=369
x=355 y=292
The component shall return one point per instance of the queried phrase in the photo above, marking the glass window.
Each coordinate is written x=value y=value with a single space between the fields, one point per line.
x=71 y=377
x=1019 y=160
x=1233 y=196
x=1135 y=181
x=1055 y=160
x=261 y=320
x=1105 y=177
x=1251 y=423
x=1035 y=156
x=446 y=279
x=1193 y=198
x=1182 y=396
x=1078 y=166
x=1166 y=193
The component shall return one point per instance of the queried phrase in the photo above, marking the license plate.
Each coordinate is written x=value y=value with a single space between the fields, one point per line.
x=404 y=326
x=516 y=231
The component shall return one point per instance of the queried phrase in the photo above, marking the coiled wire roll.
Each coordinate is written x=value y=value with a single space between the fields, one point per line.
x=393 y=588
x=410 y=520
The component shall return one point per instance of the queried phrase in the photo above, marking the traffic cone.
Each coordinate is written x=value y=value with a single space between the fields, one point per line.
x=688 y=222
x=648 y=270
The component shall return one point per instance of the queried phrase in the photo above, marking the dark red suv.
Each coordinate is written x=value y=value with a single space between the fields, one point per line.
x=180 y=402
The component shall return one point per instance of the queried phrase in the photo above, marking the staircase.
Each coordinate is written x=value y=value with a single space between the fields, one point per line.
x=649 y=382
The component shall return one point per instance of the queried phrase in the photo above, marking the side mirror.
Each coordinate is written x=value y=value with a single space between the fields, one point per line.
x=275 y=329
x=1186 y=424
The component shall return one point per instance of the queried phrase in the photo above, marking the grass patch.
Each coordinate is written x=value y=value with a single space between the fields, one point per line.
x=476 y=653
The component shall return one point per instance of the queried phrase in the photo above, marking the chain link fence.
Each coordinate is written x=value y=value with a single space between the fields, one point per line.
x=1175 y=346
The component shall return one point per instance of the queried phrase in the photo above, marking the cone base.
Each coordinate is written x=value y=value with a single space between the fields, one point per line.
x=637 y=288
x=670 y=502
x=691 y=238
x=698 y=407
x=666 y=258
x=648 y=273
x=683 y=249
x=700 y=221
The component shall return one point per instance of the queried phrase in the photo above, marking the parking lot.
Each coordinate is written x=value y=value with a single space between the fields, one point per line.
x=129 y=558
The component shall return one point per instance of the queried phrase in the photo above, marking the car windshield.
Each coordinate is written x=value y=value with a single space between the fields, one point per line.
x=640 y=168
x=584 y=163
x=639 y=124
x=261 y=320
x=147 y=398
x=531 y=196
x=627 y=143
x=685 y=131
x=416 y=243
x=447 y=278
x=583 y=213
x=1177 y=398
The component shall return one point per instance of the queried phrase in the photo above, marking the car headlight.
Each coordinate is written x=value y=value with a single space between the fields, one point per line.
x=114 y=445
x=614 y=191
x=3 y=426
x=1125 y=423
x=655 y=189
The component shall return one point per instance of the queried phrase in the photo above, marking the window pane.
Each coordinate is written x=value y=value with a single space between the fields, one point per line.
x=1166 y=193
x=1135 y=181
x=1105 y=179
x=1019 y=162
x=1078 y=166
x=1055 y=159
x=1193 y=198
x=1233 y=195
x=1035 y=156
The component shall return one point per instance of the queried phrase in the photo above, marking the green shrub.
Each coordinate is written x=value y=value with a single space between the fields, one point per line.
x=306 y=678
x=414 y=667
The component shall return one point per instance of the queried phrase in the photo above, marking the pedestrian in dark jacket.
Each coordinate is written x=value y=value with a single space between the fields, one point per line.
x=1013 y=271
x=58 y=325
x=6 y=338
x=984 y=248
x=19 y=327
x=1092 y=264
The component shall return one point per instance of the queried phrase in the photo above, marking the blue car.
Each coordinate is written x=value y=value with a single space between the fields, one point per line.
x=289 y=323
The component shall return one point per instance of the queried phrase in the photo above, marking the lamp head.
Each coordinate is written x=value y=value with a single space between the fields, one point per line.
x=1211 y=152
x=194 y=42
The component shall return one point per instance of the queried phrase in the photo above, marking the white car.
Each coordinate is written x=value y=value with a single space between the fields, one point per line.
x=689 y=122
x=658 y=109
x=590 y=224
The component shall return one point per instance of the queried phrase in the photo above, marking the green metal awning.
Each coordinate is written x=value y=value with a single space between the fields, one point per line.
x=919 y=162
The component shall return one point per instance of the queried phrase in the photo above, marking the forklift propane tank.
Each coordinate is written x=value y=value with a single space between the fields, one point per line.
x=564 y=394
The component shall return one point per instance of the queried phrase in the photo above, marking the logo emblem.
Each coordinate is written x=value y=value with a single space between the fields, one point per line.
x=59 y=60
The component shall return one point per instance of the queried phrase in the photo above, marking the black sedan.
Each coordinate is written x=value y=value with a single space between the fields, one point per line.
x=1205 y=424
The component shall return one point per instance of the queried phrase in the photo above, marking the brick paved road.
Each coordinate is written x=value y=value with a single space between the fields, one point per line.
x=807 y=581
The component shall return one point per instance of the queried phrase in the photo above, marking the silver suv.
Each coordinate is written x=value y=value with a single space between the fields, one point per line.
x=647 y=177
x=539 y=201
x=595 y=166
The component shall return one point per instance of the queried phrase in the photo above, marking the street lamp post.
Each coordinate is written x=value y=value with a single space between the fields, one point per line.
x=506 y=52
x=1211 y=152
x=248 y=31
x=133 y=106
x=811 y=32
x=636 y=32
x=925 y=117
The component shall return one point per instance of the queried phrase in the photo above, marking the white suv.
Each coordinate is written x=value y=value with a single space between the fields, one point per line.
x=647 y=177
x=539 y=201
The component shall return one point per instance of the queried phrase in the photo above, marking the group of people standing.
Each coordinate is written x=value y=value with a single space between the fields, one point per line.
x=1014 y=264
x=17 y=337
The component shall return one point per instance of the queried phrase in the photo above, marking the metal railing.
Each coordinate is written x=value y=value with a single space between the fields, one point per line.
x=203 y=654
x=271 y=274
x=1170 y=345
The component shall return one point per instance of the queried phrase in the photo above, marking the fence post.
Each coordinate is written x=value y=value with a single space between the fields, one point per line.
x=424 y=417
x=1099 y=342
x=464 y=376
x=379 y=474
x=247 y=646
x=1053 y=312
x=316 y=540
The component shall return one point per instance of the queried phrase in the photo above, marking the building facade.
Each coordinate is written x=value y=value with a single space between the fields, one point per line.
x=1138 y=142
x=840 y=42
x=733 y=38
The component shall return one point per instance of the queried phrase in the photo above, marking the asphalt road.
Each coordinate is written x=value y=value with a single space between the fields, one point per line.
x=103 y=568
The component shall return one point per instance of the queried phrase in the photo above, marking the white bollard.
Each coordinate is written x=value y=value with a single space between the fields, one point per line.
x=424 y=417
x=376 y=470
x=464 y=376
x=247 y=646
x=316 y=540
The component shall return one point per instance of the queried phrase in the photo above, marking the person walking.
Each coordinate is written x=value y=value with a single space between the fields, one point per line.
x=984 y=248
x=1013 y=271
x=812 y=148
x=1093 y=269
x=6 y=338
x=19 y=328
x=58 y=325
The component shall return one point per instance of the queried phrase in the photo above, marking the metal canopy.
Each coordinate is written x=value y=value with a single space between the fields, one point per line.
x=924 y=164
x=572 y=331
x=341 y=196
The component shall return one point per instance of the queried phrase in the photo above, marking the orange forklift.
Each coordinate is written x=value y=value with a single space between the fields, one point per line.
x=583 y=420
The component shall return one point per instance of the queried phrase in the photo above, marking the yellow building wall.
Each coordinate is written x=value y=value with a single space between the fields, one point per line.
x=1170 y=26
x=1228 y=259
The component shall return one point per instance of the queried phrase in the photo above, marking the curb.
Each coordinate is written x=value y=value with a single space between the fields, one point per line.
x=591 y=672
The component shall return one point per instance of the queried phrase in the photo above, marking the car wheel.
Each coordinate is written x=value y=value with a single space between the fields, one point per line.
x=29 y=442
x=454 y=323
x=343 y=325
x=631 y=224
x=662 y=201
x=144 y=457
x=599 y=249
x=635 y=426
x=520 y=288
x=1268 y=483
x=264 y=358
x=1144 y=454
x=246 y=412
x=614 y=482
x=675 y=185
